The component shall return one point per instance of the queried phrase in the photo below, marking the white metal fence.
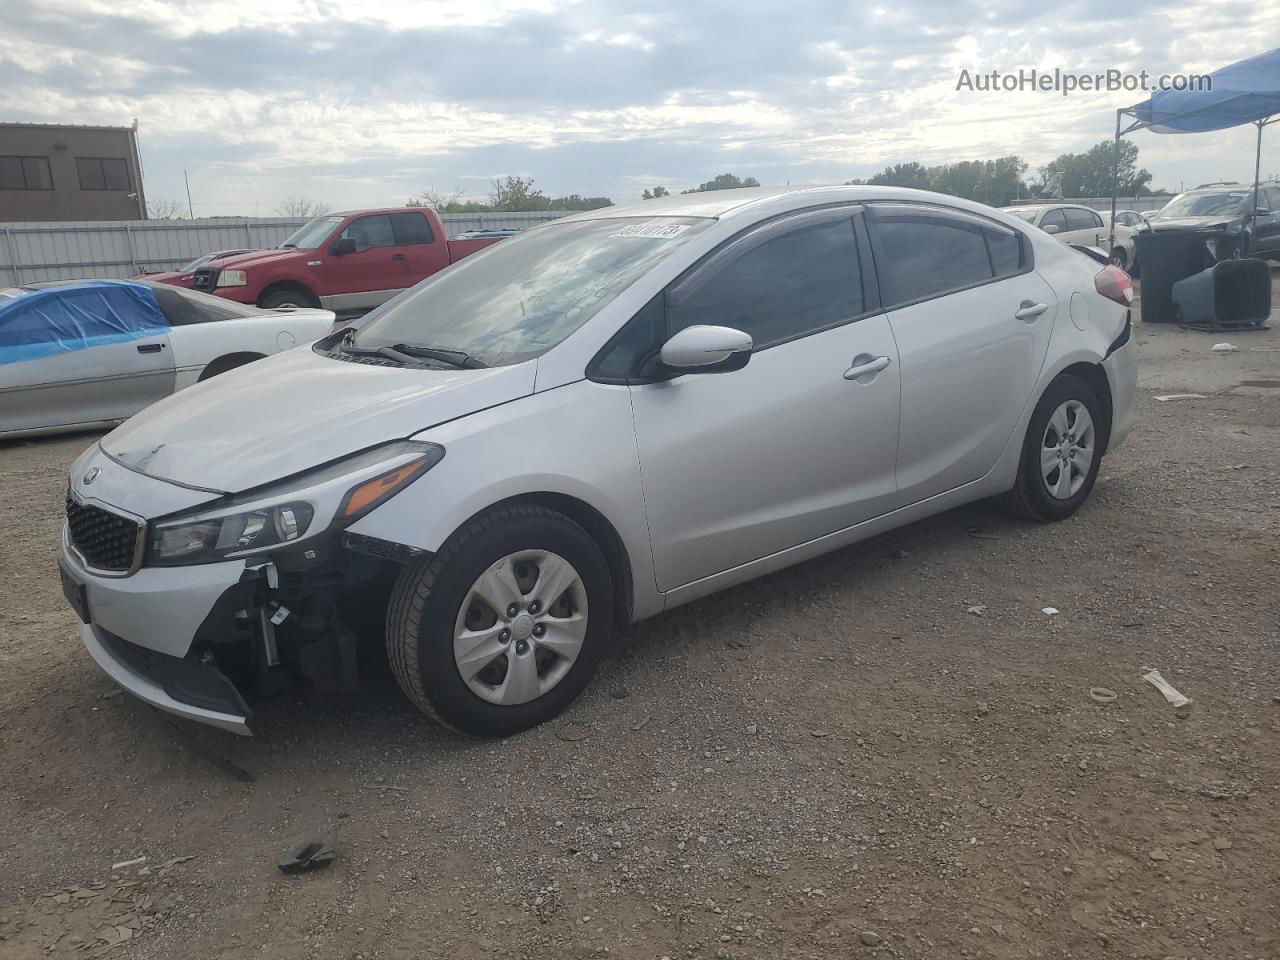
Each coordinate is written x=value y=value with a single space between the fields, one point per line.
x=30 y=252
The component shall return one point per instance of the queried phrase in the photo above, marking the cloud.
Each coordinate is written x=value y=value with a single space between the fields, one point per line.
x=359 y=103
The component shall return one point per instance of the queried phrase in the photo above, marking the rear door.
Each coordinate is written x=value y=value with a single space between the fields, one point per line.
x=1267 y=227
x=375 y=272
x=424 y=253
x=737 y=466
x=52 y=375
x=1084 y=226
x=972 y=322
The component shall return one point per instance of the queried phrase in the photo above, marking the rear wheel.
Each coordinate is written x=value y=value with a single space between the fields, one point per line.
x=503 y=628
x=1061 y=452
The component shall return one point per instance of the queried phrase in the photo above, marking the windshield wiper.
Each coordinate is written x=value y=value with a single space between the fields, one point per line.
x=288 y=246
x=391 y=353
x=455 y=358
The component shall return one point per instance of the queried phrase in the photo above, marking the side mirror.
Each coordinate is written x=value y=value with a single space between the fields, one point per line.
x=342 y=246
x=1051 y=228
x=707 y=349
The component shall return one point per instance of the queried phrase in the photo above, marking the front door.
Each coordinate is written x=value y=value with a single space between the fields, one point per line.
x=737 y=466
x=972 y=321
x=59 y=374
x=373 y=273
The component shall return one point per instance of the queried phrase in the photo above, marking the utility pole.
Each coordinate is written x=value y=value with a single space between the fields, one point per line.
x=185 y=179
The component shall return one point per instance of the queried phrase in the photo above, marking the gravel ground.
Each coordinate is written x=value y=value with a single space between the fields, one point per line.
x=841 y=760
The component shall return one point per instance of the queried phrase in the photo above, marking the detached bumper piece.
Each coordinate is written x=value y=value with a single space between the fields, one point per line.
x=184 y=687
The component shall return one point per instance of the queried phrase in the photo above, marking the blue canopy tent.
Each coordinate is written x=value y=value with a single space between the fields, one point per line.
x=1244 y=92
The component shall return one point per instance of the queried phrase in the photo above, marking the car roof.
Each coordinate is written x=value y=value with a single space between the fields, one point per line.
x=1054 y=204
x=750 y=203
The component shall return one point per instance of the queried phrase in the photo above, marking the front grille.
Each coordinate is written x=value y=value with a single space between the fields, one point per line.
x=206 y=278
x=106 y=541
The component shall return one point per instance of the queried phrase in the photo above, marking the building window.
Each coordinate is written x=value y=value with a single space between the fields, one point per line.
x=103 y=173
x=25 y=173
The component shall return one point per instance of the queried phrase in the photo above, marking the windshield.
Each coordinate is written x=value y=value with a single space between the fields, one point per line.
x=311 y=235
x=1206 y=204
x=520 y=297
x=196 y=263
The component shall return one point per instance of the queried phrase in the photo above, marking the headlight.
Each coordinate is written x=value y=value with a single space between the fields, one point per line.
x=303 y=507
x=232 y=278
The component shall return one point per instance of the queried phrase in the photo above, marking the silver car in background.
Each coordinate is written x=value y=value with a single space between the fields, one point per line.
x=583 y=426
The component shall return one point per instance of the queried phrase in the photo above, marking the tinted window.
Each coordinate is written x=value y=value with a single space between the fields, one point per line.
x=25 y=173
x=184 y=307
x=1055 y=218
x=1005 y=248
x=103 y=173
x=622 y=358
x=795 y=283
x=919 y=258
x=411 y=228
x=1082 y=219
x=369 y=232
x=1272 y=201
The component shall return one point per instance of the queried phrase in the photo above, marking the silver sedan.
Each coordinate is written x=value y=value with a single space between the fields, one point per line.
x=590 y=423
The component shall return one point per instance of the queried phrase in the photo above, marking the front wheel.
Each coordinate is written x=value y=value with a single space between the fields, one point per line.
x=1061 y=452
x=504 y=626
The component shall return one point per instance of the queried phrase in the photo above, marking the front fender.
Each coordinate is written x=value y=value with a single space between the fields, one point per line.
x=576 y=441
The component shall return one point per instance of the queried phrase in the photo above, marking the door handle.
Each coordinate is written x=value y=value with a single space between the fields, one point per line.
x=1028 y=311
x=397 y=256
x=150 y=347
x=861 y=369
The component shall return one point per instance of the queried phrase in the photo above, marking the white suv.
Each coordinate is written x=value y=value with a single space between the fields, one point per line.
x=585 y=425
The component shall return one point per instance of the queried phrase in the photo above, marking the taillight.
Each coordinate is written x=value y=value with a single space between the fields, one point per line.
x=1114 y=284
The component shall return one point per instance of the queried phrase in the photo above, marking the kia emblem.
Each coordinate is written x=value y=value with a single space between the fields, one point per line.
x=91 y=475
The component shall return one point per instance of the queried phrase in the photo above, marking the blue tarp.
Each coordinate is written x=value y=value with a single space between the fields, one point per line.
x=76 y=316
x=1244 y=92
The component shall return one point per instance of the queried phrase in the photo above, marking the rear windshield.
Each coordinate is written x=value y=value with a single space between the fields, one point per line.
x=520 y=297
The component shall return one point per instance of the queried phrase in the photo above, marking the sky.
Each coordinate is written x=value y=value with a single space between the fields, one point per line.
x=358 y=104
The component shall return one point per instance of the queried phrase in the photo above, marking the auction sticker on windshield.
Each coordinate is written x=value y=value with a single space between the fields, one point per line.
x=652 y=230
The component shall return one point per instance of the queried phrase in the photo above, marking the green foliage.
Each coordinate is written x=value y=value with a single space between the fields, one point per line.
x=1090 y=174
x=726 y=181
x=511 y=194
x=994 y=182
x=655 y=193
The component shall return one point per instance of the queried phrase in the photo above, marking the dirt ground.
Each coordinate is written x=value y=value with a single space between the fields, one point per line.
x=837 y=761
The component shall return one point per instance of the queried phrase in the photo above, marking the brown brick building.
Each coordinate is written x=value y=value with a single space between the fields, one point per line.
x=69 y=172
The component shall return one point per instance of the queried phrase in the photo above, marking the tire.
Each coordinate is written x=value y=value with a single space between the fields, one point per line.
x=287 y=297
x=1033 y=495
x=426 y=614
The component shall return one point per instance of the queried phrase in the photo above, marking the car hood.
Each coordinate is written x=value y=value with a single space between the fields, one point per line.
x=174 y=277
x=259 y=257
x=1192 y=223
x=299 y=409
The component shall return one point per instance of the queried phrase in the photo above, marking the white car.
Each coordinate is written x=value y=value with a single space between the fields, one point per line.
x=1074 y=223
x=595 y=421
x=81 y=354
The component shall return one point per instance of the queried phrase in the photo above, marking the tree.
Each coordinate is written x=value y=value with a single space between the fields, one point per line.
x=302 y=207
x=516 y=194
x=911 y=174
x=437 y=200
x=166 y=210
x=655 y=193
x=1092 y=173
x=726 y=181
x=577 y=202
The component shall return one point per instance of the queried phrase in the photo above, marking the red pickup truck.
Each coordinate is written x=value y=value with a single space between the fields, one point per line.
x=345 y=262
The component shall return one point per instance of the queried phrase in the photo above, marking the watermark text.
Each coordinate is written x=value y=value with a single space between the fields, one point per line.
x=1067 y=83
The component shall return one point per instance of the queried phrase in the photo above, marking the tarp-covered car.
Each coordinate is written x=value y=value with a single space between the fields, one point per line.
x=87 y=353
